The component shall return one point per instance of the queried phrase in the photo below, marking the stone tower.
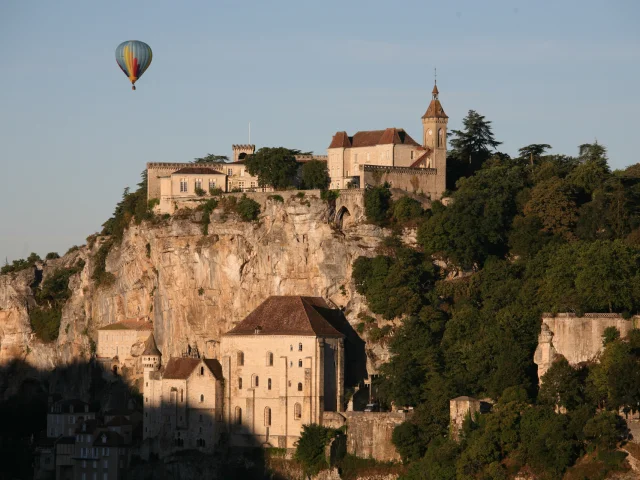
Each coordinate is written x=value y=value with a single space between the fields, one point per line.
x=434 y=133
x=240 y=152
x=150 y=356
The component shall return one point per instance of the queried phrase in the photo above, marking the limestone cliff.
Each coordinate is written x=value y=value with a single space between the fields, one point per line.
x=192 y=286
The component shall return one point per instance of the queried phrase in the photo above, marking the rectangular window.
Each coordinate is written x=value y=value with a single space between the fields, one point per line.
x=183 y=185
x=198 y=183
x=241 y=184
x=230 y=171
x=105 y=476
x=242 y=172
x=411 y=154
x=84 y=476
x=105 y=464
x=355 y=158
x=212 y=183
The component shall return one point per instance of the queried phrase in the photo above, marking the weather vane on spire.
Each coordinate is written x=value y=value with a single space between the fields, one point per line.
x=435 y=76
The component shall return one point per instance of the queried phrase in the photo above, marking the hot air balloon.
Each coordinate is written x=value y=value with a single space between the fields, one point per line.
x=133 y=58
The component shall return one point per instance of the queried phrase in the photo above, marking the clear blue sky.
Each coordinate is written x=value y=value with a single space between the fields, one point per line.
x=73 y=134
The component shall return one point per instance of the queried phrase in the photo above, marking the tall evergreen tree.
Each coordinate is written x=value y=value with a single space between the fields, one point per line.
x=470 y=147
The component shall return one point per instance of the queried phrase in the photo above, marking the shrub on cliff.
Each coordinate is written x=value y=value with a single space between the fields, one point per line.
x=248 y=209
x=310 y=448
x=377 y=201
x=20 y=264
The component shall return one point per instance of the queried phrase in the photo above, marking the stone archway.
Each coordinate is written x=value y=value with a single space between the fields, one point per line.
x=343 y=218
x=242 y=156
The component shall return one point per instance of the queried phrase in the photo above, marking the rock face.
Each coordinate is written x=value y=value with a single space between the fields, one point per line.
x=194 y=287
x=578 y=339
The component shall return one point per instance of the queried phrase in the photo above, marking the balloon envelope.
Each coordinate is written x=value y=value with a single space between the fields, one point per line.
x=133 y=57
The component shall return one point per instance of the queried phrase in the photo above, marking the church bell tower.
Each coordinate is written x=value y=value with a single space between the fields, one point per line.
x=434 y=137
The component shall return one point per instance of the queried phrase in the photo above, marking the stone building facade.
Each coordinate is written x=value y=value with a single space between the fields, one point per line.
x=283 y=367
x=120 y=342
x=64 y=416
x=393 y=148
x=182 y=401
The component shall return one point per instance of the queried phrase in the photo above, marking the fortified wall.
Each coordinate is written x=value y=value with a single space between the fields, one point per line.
x=578 y=339
x=426 y=181
x=369 y=434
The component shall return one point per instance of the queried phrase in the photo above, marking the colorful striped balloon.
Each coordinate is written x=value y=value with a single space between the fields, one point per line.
x=133 y=58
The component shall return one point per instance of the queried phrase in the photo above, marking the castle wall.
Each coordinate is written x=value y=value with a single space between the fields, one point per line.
x=369 y=434
x=427 y=181
x=578 y=339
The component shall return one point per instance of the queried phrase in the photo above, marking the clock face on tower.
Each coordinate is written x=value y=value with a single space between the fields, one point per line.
x=430 y=132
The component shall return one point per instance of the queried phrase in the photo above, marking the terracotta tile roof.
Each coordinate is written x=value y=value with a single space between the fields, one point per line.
x=370 y=138
x=150 y=347
x=435 y=110
x=421 y=159
x=198 y=170
x=179 y=368
x=133 y=324
x=340 y=140
x=214 y=366
x=289 y=315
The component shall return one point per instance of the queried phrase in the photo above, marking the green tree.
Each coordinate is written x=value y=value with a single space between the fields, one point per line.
x=406 y=208
x=476 y=225
x=377 y=201
x=211 y=158
x=605 y=430
x=471 y=146
x=274 y=167
x=315 y=175
x=561 y=386
x=551 y=201
x=533 y=152
x=310 y=448
x=406 y=439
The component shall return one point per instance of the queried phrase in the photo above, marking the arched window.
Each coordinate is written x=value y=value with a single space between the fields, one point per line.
x=267 y=417
x=239 y=383
x=299 y=387
x=201 y=370
x=268 y=384
x=238 y=415
x=240 y=359
x=440 y=137
x=297 y=411
x=299 y=363
x=299 y=347
x=269 y=359
x=201 y=398
x=291 y=347
x=255 y=381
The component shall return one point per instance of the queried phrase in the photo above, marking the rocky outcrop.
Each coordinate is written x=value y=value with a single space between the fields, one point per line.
x=192 y=286
x=578 y=339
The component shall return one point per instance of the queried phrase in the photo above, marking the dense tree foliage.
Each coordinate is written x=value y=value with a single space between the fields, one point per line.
x=274 y=166
x=315 y=175
x=211 y=158
x=556 y=234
